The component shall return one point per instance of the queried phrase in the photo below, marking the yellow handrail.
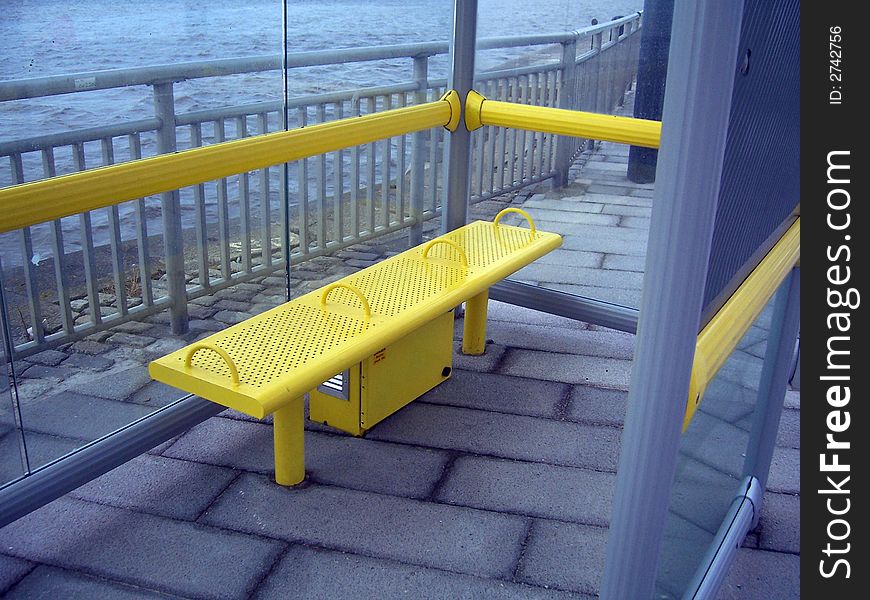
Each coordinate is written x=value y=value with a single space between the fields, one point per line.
x=481 y=111
x=48 y=199
x=188 y=358
x=462 y=256
x=720 y=337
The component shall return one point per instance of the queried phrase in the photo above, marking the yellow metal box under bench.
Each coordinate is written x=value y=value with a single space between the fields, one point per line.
x=266 y=364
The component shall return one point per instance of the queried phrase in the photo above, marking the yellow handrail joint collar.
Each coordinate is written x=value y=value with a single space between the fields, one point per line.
x=473 y=107
x=452 y=98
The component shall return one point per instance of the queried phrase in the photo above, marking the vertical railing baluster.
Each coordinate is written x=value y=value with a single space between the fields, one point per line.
x=244 y=201
x=513 y=84
x=338 y=183
x=400 y=168
x=354 y=175
x=302 y=175
x=31 y=280
x=418 y=155
x=135 y=142
x=534 y=83
x=220 y=135
x=320 y=117
x=200 y=225
x=49 y=169
x=523 y=150
x=502 y=141
x=173 y=242
x=119 y=274
x=385 y=168
x=87 y=244
x=265 y=199
x=433 y=162
x=566 y=98
x=371 y=161
x=492 y=133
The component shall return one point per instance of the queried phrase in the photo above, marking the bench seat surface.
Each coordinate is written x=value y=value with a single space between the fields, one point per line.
x=287 y=351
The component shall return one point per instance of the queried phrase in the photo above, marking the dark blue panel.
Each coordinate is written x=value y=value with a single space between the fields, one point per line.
x=761 y=176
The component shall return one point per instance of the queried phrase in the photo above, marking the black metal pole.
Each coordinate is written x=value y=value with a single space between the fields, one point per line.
x=652 y=70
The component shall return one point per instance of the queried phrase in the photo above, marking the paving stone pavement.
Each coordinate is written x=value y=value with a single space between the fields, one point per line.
x=497 y=484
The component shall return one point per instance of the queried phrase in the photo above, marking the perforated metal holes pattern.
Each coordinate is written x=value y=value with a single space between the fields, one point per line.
x=278 y=342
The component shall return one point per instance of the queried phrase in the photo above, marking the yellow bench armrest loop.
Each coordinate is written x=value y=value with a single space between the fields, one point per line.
x=462 y=256
x=188 y=358
x=367 y=310
x=520 y=212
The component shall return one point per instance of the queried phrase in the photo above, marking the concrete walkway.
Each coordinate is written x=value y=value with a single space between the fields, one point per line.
x=497 y=484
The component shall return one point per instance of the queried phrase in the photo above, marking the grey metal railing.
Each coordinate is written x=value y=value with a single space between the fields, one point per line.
x=88 y=284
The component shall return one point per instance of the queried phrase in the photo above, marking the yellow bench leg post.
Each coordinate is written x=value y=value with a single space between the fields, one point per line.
x=474 y=328
x=290 y=442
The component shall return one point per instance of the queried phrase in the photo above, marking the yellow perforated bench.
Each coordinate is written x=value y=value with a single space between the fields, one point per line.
x=266 y=364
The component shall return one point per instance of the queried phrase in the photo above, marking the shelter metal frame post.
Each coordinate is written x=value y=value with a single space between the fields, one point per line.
x=775 y=374
x=695 y=117
x=457 y=146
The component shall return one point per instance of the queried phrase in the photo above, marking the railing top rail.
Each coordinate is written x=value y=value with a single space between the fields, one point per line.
x=19 y=89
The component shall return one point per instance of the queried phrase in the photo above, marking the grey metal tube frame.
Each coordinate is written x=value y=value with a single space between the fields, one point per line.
x=457 y=146
x=695 y=117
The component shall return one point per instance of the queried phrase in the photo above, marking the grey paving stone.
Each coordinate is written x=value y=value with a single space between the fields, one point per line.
x=569 y=368
x=622 y=297
x=275 y=281
x=581 y=276
x=236 y=294
x=789 y=434
x=459 y=539
x=134 y=327
x=43 y=372
x=195 y=311
x=621 y=262
x=785 y=471
x=563 y=493
x=499 y=393
x=131 y=339
x=500 y=311
x=317 y=573
x=608 y=245
x=750 y=576
x=73 y=415
x=702 y=494
x=507 y=436
x=41 y=448
x=373 y=466
x=86 y=361
x=792 y=399
x=575 y=204
x=155 y=393
x=200 y=325
x=50 y=583
x=572 y=258
x=49 y=358
x=609 y=200
x=12 y=570
x=132 y=548
x=716 y=443
x=205 y=300
x=231 y=317
x=609 y=343
x=119 y=385
x=486 y=362
x=627 y=211
x=597 y=406
x=635 y=222
x=356 y=255
x=779 y=528
x=564 y=556
x=159 y=486
x=566 y=216
x=225 y=442
x=641 y=193
x=232 y=305
x=684 y=545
